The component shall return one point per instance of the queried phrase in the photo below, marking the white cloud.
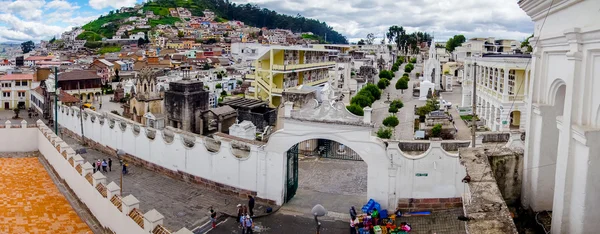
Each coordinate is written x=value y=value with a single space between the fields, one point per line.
x=101 y=4
x=61 y=5
x=27 y=30
x=444 y=18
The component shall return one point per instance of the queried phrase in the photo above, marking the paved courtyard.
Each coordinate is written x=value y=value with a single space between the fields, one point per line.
x=182 y=204
x=31 y=202
x=336 y=184
x=439 y=222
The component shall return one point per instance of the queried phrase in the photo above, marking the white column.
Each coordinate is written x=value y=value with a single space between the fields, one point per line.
x=98 y=178
x=152 y=219
x=112 y=189
x=367 y=115
x=288 y=109
x=86 y=168
x=506 y=71
x=129 y=203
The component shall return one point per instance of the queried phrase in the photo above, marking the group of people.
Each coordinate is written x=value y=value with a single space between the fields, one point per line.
x=105 y=165
x=369 y=222
x=102 y=165
x=245 y=214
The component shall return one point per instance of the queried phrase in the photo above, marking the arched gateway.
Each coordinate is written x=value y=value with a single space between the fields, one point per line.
x=331 y=121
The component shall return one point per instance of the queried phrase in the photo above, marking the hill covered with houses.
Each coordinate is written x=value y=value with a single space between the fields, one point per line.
x=192 y=18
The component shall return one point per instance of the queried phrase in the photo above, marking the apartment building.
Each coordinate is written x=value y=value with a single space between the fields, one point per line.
x=502 y=86
x=475 y=47
x=280 y=68
x=15 y=90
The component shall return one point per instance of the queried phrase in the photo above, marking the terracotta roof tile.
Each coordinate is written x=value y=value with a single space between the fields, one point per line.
x=78 y=75
x=17 y=77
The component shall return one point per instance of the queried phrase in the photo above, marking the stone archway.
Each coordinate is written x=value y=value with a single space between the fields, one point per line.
x=357 y=137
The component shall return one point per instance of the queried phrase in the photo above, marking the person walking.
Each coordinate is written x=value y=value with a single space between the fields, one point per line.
x=251 y=205
x=353 y=225
x=213 y=217
x=98 y=164
x=104 y=165
x=352 y=212
x=124 y=168
x=242 y=221
x=110 y=164
x=239 y=213
x=248 y=224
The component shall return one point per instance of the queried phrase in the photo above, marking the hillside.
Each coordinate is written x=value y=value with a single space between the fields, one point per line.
x=250 y=14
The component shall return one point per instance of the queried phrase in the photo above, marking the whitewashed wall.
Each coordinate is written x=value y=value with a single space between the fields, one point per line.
x=18 y=139
x=104 y=211
x=221 y=167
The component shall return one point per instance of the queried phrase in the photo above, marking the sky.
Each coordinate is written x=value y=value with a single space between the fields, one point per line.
x=22 y=20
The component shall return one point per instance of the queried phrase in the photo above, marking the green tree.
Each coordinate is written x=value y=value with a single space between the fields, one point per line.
x=180 y=34
x=370 y=38
x=383 y=82
x=413 y=60
x=384 y=133
x=361 y=100
x=361 y=42
x=393 y=109
x=525 y=43
x=27 y=46
x=391 y=121
x=52 y=40
x=397 y=104
x=206 y=67
x=395 y=67
x=218 y=86
x=454 y=42
x=223 y=93
x=436 y=131
x=386 y=74
x=373 y=90
x=355 y=109
x=402 y=84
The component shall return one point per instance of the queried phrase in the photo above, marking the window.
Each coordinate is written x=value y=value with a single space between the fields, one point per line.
x=5 y=94
x=17 y=83
x=511 y=82
x=21 y=94
x=6 y=85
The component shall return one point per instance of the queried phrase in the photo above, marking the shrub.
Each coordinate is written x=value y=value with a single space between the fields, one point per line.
x=393 y=109
x=223 y=93
x=383 y=83
x=418 y=74
x=405 y=75
x=395 y=67
x=402 y=84
x=386 y=74
x=373 y=90
x=384 y=133
x=218 y=86
x=391 y=121
x=407 y=69
x=361 y=100
x=355 y=109
x=436 y=131
x=397 y=104
x=413 y=60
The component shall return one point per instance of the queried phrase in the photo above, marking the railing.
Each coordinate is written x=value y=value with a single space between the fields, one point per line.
x=301 y=66
x=251 y=76
x=276 y=90
x=263 y=83
x=516 y=98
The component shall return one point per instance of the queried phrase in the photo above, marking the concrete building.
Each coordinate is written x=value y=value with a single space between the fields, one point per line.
x=147 y=98
x=83 y=84
x=502 y=85
x=561 y=157
x=282 y=68
x=184 y=103
x=15 y=90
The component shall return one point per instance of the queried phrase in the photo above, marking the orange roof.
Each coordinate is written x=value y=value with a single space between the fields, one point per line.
x=67 y=98
x=17 y=77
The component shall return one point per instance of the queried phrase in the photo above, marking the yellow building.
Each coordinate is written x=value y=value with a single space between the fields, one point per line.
x=281 y=68
x=175 y=45
x=15 y=91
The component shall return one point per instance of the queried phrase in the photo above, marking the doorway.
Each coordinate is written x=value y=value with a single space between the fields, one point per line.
x=6 y=105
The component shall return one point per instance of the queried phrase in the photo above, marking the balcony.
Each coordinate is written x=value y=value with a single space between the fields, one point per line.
x=292 y=67
x=251 y=76
x=516 y=98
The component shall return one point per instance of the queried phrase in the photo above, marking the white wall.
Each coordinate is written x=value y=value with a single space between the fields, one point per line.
x=18 y=139
x=104 y=211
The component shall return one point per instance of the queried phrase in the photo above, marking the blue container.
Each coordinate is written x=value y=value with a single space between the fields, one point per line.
x=383 y=214
x=377 y=206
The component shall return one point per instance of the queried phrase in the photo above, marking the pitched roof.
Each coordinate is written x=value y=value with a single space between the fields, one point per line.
x=222 y=110
x=78 y=75
x=67 y=98
x=17 y=77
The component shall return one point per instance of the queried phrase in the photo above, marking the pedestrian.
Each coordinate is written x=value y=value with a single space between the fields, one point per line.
x=104 y=165
x=110 y=164
x=353 y=225
x=239 y=212
x=244 y=210
x=242 y=221
x=248 y=224
x=94 y=166
x=352 y=212
x=98 y=164
x=251 y=205
x=213 y=217
x=124 y=169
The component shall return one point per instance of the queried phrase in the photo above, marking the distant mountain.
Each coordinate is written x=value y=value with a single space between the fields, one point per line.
x=250 y=14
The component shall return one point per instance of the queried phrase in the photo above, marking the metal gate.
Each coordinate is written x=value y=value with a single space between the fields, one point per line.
x=292 y=173
x=328 y=149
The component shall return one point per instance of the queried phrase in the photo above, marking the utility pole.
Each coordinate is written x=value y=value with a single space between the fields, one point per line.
x=474 y=115
x=55 y=100
x=81 y=114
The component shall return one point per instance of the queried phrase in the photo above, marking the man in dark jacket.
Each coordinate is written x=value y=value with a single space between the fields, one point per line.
x=251 y=206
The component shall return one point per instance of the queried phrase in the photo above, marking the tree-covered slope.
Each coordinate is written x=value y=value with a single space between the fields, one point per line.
x=249 y=14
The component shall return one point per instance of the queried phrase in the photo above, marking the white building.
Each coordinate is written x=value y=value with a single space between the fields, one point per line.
x=502 y=84
x=14 y=89
x=562 y=151
x=137 y=36
x=432 y=74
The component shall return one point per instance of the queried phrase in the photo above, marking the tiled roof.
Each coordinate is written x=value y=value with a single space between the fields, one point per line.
x=17 y=77
x=78 y=75
x=67 y=98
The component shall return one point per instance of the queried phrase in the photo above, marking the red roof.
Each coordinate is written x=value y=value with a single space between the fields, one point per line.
x=38 y=58
x=64 y=96
x=17 y=77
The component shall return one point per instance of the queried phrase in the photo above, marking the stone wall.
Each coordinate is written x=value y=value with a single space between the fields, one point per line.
x=412 y=146
x=455 y=145
x=495 y=137
x=428 y=204
x=508 y=169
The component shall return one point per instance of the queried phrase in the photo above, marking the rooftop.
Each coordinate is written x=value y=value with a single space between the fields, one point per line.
x=17 y=77
x=244 y=103
x=78 y=75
